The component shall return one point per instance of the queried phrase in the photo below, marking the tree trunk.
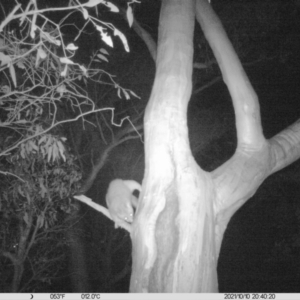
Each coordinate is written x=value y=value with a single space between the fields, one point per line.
x=79 y=275
x=173 y=234
x=183 y=211
x=18 y=273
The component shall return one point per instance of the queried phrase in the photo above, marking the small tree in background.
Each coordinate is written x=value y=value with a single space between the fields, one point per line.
x=39 y=79
x=35 y=196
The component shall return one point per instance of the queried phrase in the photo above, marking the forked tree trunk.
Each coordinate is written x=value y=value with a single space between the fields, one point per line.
x=176 y=213
x=183 y=210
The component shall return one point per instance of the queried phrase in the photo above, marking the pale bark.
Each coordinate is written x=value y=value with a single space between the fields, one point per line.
x=184 y=211
x=175 y=214
x=255 y=157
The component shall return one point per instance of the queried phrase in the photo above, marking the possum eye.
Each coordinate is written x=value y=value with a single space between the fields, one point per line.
x=129 y=218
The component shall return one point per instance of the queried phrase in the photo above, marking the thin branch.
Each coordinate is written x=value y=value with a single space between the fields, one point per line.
x=100 y=208
x=205 y=86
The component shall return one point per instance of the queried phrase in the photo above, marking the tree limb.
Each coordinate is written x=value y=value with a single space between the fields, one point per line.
x=101 y=209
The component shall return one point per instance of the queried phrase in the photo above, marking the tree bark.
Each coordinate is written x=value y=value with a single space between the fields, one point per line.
x=175 y=215
x=183 y=211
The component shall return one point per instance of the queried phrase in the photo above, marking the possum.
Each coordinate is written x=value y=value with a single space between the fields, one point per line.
x=120 y=200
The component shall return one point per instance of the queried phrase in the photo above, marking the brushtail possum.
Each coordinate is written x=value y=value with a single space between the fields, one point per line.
x=120 y=200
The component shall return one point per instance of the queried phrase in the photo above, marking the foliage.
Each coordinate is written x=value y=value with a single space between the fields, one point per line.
x=39 y=78
x=40 y=180
x=38 y=72
x=35 y=195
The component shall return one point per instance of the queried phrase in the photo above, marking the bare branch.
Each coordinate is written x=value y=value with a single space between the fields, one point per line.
x=205 y=86
x=101 y=209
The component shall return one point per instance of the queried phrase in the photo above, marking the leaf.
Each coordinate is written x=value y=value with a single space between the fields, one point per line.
x=43 y=190
x=41 y=53
x=13 y=74
x=61 y=89
x=26 y=219
x=85 y=13
x=49 y=38
x=83 y=69
x=55 y=152
x=129 y=16
x=49 y=142
x=111 y=6
x=42 y=139
x=65 y=60
x=5 y=59
x=102 y=57
x=134 y=94
x=33 y=145
x=23 y=152
x=102 y=50
x=52 y=65
x=49 y=153
x=5 y=89
x=21 y=192
x=21 y=121
x=29 y=200
x=33 y=27
x=126 y=94
x=107 y=39
x=40 y=221
x=43 y=151
x=72 y=47
x=123 y=38
x=20 y=64
x=61 y=149
x=28 y=148
x=92 y=3
x=64 y=72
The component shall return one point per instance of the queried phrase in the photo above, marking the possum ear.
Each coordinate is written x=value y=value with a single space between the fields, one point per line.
x=132 y=185
x=134 y=201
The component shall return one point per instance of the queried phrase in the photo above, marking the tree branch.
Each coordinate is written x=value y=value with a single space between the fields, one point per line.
x=101 y=209
x=244 y=98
